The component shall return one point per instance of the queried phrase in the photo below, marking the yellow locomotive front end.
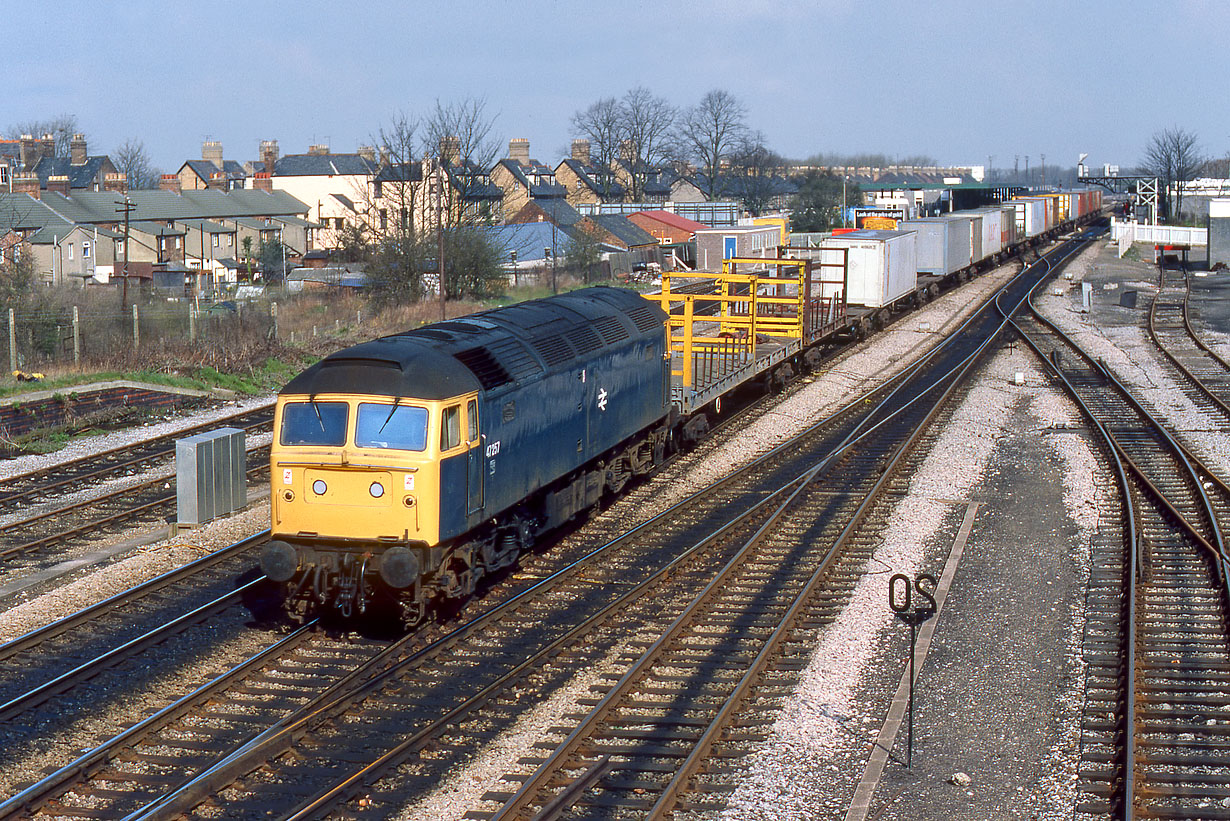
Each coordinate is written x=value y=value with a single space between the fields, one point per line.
x=356 y=495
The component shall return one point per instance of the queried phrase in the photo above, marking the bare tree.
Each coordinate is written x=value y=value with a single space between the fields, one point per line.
x=1174 y=155
x=460 y=135
x=392 y=233
x=602 y=125
x=62 y=127
x=710 y=131
x=646 y=125
x=755 y=168
x=132 y=160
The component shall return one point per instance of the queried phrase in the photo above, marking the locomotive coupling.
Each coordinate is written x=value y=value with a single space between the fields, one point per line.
x=279 y=561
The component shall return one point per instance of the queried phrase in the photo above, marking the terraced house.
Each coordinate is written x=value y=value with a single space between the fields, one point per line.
x=79 y=239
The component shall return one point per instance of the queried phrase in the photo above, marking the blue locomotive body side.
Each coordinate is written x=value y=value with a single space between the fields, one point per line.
x=545 y=428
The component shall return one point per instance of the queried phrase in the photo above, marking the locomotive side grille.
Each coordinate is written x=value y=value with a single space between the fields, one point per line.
x=584 y=339
x=488 y=371
x=643 y=318
x=611 y=329
x=515 y=359
x=553 y=349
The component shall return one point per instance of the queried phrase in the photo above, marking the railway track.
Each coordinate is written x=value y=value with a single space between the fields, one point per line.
x=1206 y=375
x=418 y=691
x=1158 y=638
x=24 y=489
x=30 y=542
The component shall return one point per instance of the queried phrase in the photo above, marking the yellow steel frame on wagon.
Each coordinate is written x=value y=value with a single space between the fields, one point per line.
x=744 y=307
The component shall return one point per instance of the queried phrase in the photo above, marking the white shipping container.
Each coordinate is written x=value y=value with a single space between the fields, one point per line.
x=881 y=265
x=991 y=228
x=943 y=244
x=1030 y=216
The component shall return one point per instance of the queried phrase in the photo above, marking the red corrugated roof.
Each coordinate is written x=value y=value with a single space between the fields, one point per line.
x=674 y=220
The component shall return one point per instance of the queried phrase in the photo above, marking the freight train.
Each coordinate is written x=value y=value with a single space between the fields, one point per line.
x=407 y=469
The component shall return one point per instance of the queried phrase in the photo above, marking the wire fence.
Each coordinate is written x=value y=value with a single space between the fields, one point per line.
x=70 y=334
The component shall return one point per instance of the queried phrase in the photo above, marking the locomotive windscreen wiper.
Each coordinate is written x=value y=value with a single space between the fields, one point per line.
x=319 y=420
x=392 y=411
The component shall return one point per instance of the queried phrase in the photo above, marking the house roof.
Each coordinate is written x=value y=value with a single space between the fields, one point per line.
x=157 y=229
x=400 y=172
x=624 y=229
x=79 y=176
x=529 y=239
x=344 y=200
x=538 y=190
x=322 y=165
x=556 y=211
x=205 y=169
x=588 y=174
x=674 y=220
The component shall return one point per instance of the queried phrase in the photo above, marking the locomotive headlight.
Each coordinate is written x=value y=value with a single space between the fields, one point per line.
x=377 y=490
x=319 y=487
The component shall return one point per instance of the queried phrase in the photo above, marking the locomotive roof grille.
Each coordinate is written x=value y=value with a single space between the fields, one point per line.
x=554 y=349
x=611 y=329
x=643 y=318
x=584 y=339
x=515 y=358
x=489 y=372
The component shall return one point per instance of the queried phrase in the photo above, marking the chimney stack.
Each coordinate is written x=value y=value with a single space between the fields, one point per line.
x=26 y=182
x=367 y=152
x=58 y=184
x=31 y=149
x=269 y=154
x=627 y=150
x=170 y=182
x=116 y=182
x=519 y=150
x=262 y=181
x=77 y=150
x=217 y=181
x=580 y=151
x=450 y=149
x=211 y=151
x=49 y=145
x=318 y=150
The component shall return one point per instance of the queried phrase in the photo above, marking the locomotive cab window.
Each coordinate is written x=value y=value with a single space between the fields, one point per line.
x=450 y=428
x=314 y=423
x=400 y=427
x=472 y=420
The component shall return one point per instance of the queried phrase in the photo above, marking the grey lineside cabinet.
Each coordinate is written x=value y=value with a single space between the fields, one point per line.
x=210 y=475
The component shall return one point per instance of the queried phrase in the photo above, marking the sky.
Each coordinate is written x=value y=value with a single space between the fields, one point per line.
x=957 y=81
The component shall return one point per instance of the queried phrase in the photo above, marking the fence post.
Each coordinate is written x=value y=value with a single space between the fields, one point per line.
x=136 y=329
x=12 y=341
x=76 y=336
x=191 y=323
x=358 y=318
x=273 y=315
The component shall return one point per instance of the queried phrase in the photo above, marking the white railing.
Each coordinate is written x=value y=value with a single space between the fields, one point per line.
x=1127 y=232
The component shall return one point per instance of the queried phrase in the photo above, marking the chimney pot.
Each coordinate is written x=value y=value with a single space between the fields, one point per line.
x=116 y=182
x=318 y=150
x=170 y=182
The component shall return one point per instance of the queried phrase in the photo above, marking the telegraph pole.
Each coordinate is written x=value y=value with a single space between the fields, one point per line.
x=440 y=234
x=126 y=208
x=1044 y=171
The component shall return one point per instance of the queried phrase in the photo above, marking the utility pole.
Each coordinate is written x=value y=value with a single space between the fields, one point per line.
x=1043 y=171
x=440 y=234
x=990 y=165
x=126 y=208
